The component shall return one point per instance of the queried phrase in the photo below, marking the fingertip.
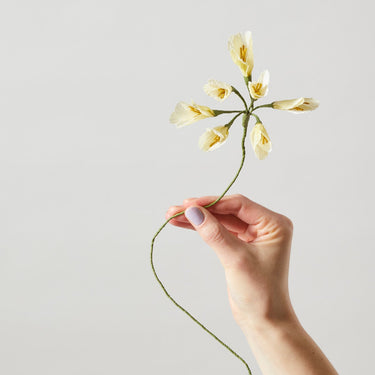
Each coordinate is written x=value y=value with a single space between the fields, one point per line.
x=195 y=215
x=188 y=200
x=171 y=211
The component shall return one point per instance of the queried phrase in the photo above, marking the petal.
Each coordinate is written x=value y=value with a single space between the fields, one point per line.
x=264 y=78
x=246 y=36
x=260 y=141
x=241 y=51
x=217 y=90
x=309 y=104
x=181 y=115
x=205 y=111
x=287 y=104
x=205 y=140
x=213 y=138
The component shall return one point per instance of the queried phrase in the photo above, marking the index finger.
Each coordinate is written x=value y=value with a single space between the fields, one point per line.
x=237 y=205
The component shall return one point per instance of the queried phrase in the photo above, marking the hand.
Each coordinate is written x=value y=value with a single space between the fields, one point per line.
x=253 y=245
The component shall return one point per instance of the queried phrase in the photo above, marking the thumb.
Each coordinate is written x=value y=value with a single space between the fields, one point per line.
x=213 y=233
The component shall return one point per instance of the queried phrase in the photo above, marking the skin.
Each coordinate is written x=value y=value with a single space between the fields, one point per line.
x=253 y=245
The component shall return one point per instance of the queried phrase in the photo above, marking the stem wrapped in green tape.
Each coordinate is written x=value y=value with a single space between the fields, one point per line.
x=245 y=122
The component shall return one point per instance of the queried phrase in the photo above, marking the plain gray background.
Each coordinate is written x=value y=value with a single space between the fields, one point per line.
x=89 y=165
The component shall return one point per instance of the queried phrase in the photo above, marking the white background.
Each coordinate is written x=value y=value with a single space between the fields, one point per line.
x=89 y=164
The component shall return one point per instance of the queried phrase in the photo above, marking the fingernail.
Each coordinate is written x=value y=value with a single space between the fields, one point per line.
x=194 y=215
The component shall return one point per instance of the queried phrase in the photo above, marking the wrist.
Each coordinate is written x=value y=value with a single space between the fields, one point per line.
x=282 y=346
x=273 y=322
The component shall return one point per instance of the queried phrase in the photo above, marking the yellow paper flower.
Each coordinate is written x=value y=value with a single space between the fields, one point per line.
x=259 y=88
x=218 y=90
x=261 y=141
x=296 y=105
x=185 y=113
x=241 y=51
x=213 y=138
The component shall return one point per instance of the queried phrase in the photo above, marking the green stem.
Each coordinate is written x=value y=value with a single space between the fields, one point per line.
x=218 y=112
x=230 y=123
x=263 y=106
x=252 y=104
x=256 y=117
x=247 y=80
x=245 y=122
x=240 y=96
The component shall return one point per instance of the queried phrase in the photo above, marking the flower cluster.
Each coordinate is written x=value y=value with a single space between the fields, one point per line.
x=241 y=50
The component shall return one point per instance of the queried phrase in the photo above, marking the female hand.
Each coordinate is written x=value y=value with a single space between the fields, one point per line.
x=253 y=244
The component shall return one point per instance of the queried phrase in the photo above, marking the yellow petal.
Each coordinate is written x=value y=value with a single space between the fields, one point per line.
x=185 y=113
x=241 y=50
x=260 y=141
x=218 y=90
x=259 y=89
x=213 y=138
x=296 y=105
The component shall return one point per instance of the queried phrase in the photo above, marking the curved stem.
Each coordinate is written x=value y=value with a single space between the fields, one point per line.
x=256 y=117
x=230 y=123
x=245 y=122
x=240 y=96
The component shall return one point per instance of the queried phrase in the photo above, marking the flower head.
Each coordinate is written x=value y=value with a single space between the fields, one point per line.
x=296 y=105
x=218 y=90
x=241 y=51
x=213 y=138
x=259 y=88
x=261 y=141
x=185 y=113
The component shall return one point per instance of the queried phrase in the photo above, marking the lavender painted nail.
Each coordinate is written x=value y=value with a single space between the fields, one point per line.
x=194 y=215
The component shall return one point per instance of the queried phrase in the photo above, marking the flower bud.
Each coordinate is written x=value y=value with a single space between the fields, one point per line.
x=259 y=89
x=296 y=105
x=241 y=50
x=185 y=113
x=213 y=138
x=218 y=90
x=260 y=141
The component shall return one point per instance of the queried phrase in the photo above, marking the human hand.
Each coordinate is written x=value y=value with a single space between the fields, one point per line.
x=253 y=245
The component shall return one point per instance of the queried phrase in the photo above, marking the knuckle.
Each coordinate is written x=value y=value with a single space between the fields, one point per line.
x=241 y=198
x=286 y=224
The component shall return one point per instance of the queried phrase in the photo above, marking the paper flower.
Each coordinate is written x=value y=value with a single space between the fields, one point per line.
x=259 y=89
x=185 y=113
x=296 y=105
x=218 y=90
x=241 y=50
x=213 y=138
x=261 y=141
